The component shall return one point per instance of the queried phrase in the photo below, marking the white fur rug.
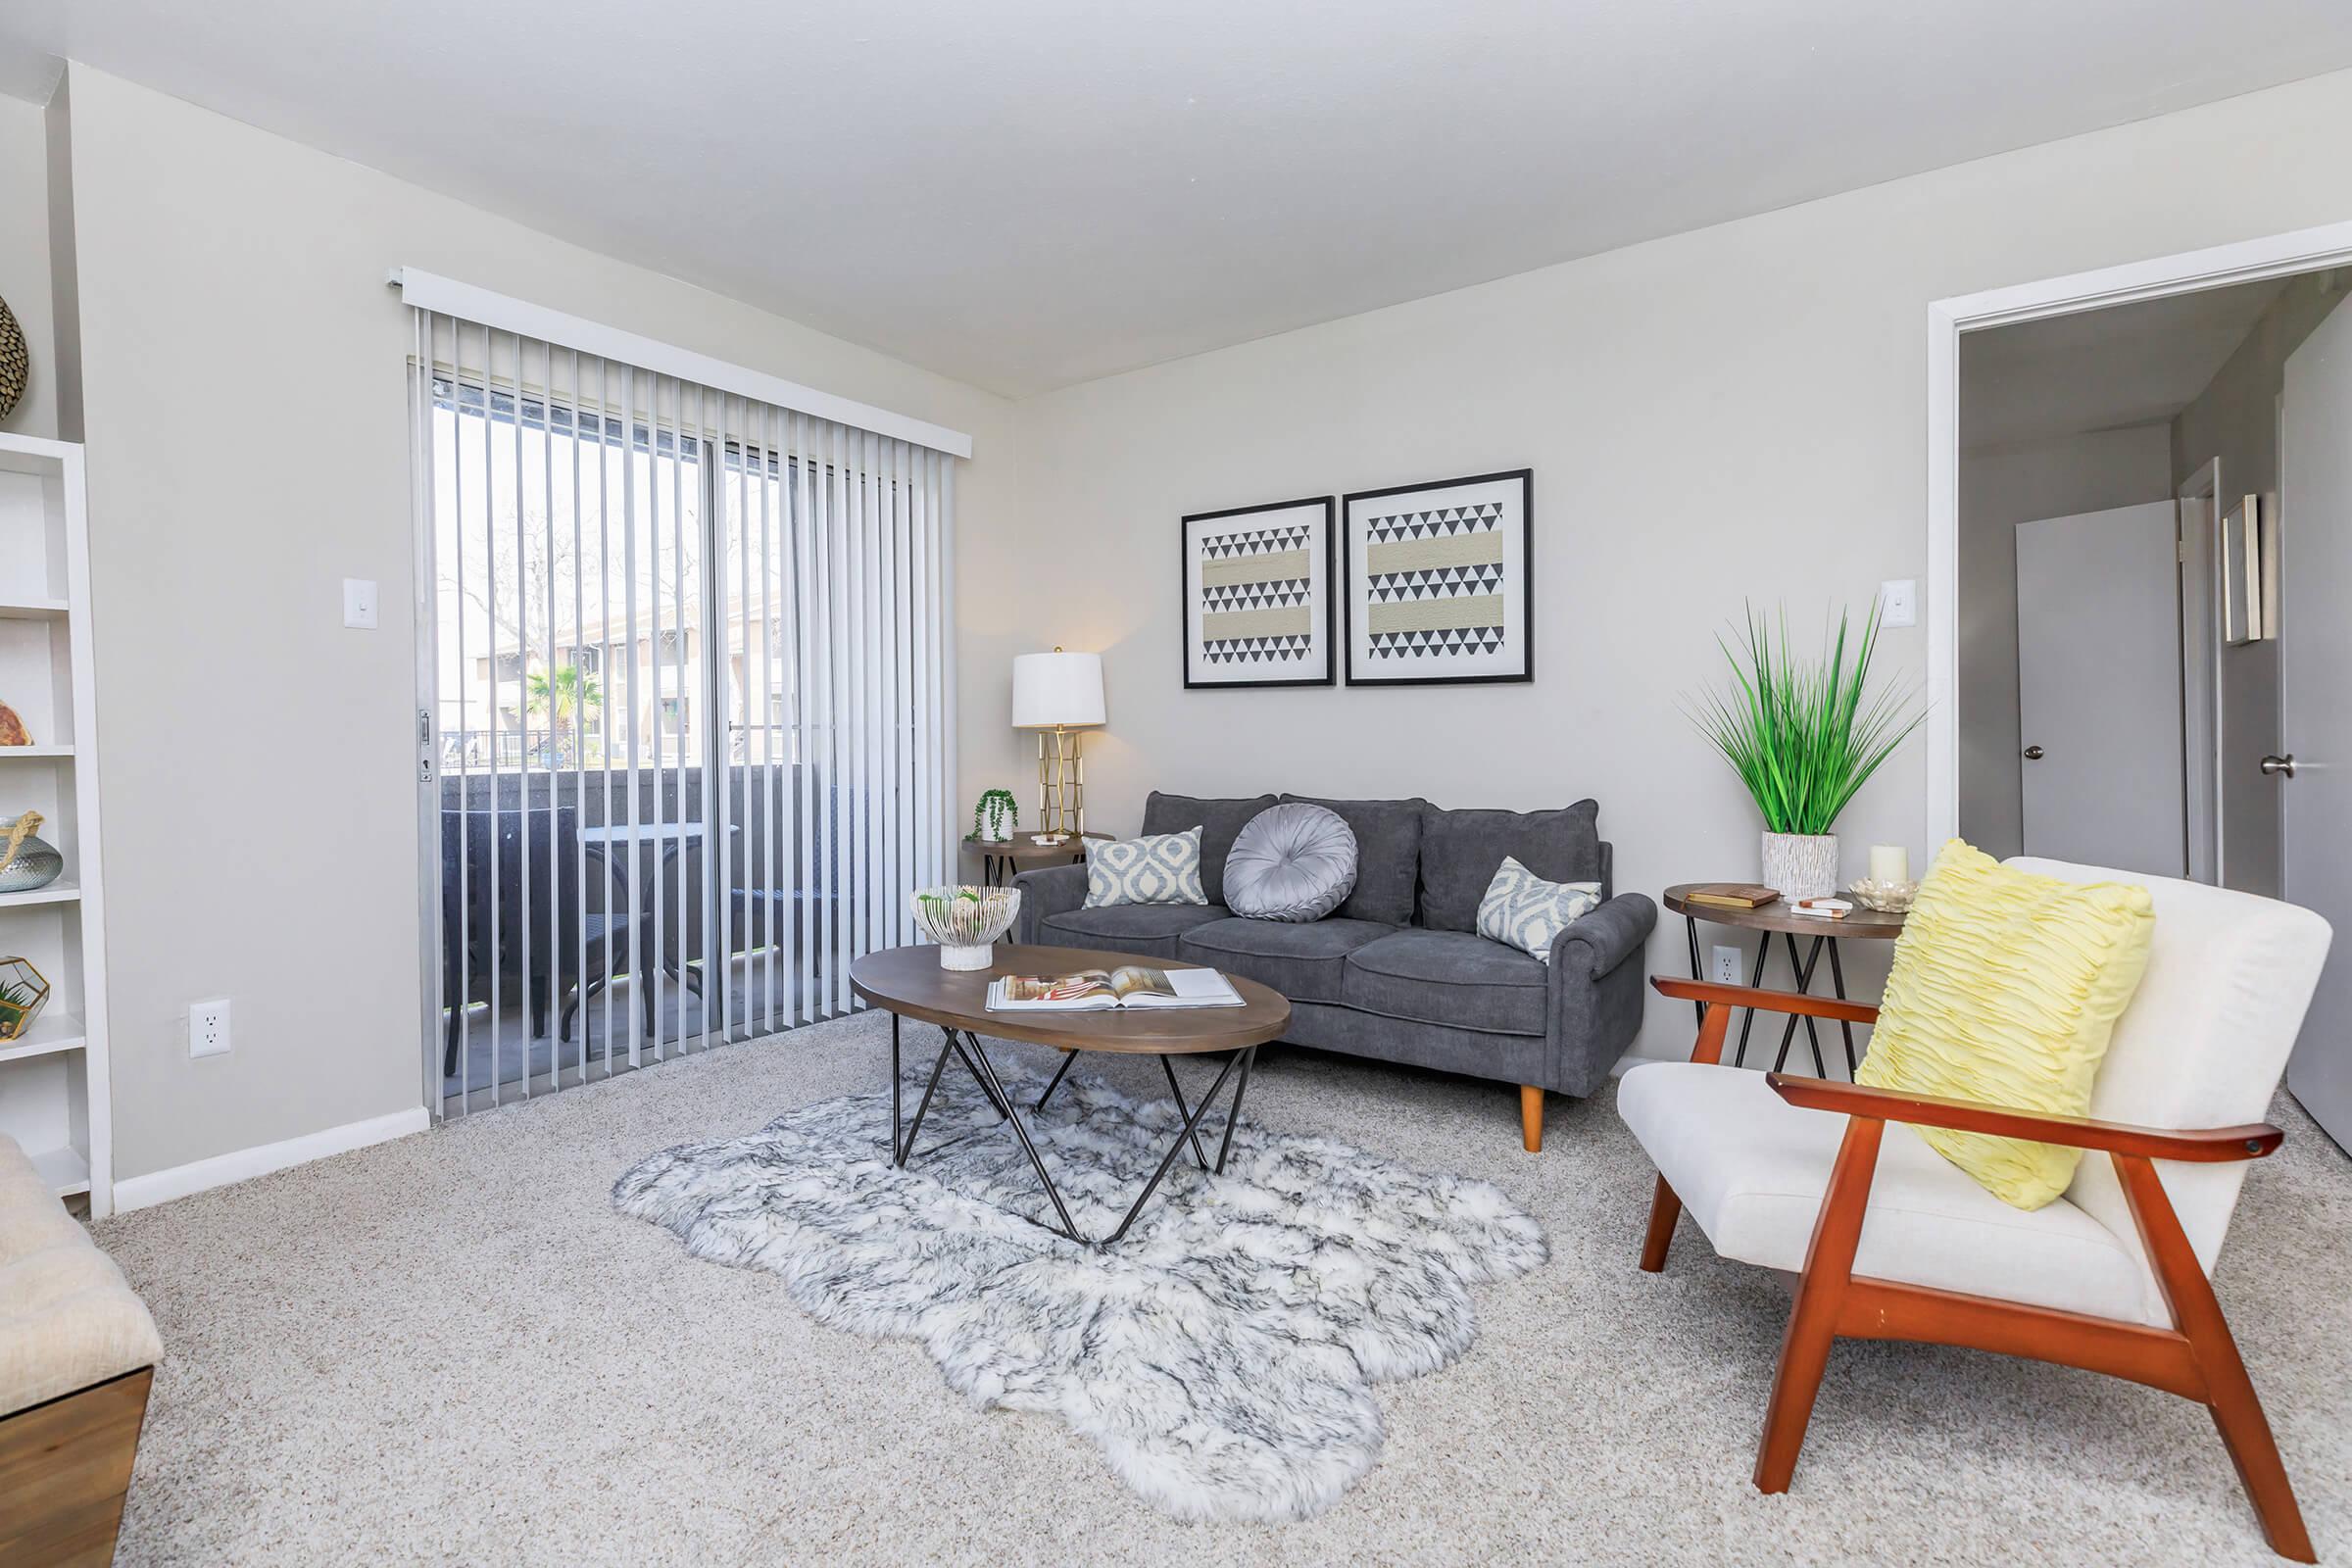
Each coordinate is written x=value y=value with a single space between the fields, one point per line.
x=1222 y=1355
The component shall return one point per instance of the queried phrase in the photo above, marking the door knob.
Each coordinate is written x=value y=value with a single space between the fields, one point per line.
x=2272 y=766
x=2033 y=754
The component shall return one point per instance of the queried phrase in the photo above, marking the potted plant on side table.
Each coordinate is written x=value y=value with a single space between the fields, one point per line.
x=1803 y=735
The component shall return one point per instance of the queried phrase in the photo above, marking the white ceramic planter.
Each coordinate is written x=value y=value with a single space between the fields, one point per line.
x=1801 y=865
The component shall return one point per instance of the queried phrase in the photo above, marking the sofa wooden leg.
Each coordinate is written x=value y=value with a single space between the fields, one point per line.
x=64 y=1467
x=1664 y=1210
x=1531 y=1117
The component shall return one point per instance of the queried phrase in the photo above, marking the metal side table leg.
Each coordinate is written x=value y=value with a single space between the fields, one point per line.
x=1837 y=984
x=1804 y=988
x=1756 y=978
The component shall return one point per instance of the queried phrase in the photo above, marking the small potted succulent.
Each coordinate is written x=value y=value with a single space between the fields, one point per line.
x=999 y=811
x=1803 y=735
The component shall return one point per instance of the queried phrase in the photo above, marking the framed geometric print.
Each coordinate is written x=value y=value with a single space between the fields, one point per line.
x=1440 y=581
x=1259 y=595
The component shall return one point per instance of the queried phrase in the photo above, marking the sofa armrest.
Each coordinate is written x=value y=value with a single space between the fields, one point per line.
x=1605 y=937
x=1593 y=1001
x=1052 y=890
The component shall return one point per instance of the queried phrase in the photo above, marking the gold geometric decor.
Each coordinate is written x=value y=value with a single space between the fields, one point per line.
x=22 y=991
x=15 y=361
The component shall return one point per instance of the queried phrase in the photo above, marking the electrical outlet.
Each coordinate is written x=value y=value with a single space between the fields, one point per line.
x=1727 y=965
x=208 y=1028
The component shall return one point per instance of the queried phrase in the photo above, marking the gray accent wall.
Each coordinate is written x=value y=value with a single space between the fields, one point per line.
x=1999 y=489
x=2236 y=419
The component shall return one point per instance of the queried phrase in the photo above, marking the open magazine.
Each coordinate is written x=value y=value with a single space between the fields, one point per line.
x=1129 y=986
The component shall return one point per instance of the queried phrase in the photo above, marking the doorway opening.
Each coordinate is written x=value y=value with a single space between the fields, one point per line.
x=2140 y=532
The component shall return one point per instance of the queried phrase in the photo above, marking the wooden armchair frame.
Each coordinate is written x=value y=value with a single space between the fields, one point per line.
x=2197 y=1359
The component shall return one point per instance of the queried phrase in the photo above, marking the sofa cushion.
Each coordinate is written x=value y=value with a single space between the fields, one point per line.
x=1295 y=861
x=1305 y=962
x=1388 y=856
x=1147 y=929
x=1462 y=851
x=1157 y=869
x=1221 y=822
x=1448 y=977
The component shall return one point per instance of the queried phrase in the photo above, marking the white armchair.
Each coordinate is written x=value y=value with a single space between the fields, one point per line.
x=1890 y=1241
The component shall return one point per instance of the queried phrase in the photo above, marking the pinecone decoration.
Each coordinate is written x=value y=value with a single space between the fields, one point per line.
x=15 y=364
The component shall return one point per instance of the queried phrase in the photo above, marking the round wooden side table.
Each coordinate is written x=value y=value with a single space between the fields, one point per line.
x=1779 y=919
x=1002 y=860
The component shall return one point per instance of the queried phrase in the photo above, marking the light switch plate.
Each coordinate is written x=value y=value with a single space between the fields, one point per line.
x=1898 y=603
x=359 y=602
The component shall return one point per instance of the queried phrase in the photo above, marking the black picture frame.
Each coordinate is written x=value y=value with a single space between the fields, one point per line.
x=1332 y=589
x=1527 y=581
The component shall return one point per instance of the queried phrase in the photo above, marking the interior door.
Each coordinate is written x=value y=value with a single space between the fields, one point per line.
x=2098 y=667
x=2314 y=648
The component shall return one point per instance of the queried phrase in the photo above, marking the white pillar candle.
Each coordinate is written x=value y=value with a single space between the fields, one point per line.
x=1890 y=863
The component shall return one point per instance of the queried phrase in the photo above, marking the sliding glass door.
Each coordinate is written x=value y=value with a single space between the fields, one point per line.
x=683 y=748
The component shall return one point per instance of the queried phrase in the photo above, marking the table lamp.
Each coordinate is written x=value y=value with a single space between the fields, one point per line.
x=1058 y=694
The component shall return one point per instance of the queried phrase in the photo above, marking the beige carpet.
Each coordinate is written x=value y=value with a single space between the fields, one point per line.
x=449 y=1350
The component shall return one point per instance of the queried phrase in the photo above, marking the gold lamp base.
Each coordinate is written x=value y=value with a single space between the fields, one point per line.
x=1060 y=781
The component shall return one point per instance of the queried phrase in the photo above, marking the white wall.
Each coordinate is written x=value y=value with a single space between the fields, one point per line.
x=2236 y=419
x=1727 y=416
x=25 y=258
x=2088 y=471
x=247 y=425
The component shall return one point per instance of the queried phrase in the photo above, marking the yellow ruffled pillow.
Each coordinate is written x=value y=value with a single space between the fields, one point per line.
x=2005 y=990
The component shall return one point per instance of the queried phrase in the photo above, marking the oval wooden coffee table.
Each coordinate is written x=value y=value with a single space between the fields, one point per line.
x=909 y=983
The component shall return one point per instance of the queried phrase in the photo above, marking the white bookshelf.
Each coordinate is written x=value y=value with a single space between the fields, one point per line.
x=53 y=1081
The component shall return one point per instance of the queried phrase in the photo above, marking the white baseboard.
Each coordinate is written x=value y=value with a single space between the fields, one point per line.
x=161 y=1187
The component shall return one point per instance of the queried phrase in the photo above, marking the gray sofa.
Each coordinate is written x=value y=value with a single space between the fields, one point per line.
x=1398 y=970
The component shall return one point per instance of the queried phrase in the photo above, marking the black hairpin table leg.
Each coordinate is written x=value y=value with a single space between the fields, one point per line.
x=1837 y=984
x=1069 y=1059
x=1176 y=1148
x=1756 y=978
x=1804 y=988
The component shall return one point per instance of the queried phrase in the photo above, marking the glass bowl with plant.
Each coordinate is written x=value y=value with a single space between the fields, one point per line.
x=1804 y=734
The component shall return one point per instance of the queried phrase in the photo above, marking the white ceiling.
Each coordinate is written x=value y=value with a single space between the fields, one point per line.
x=2106 y=369
x=1028 y=193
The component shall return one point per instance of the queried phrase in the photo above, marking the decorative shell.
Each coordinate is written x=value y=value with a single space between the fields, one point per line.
x=1887 y=898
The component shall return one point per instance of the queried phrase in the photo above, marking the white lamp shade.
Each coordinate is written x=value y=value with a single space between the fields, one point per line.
x=1056 y=688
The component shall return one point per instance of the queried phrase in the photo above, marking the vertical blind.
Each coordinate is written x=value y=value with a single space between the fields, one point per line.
x=688 y=744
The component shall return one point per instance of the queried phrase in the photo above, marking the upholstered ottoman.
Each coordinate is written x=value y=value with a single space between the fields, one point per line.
x=77 y=1352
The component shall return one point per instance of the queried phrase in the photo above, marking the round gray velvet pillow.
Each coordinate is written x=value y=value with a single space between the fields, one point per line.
x=1293 y=861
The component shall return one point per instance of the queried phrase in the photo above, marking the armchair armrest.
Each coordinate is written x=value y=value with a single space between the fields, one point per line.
x=2201 y=1146
x=1764 y=999
x=1605 y=937
x=1050 y=889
